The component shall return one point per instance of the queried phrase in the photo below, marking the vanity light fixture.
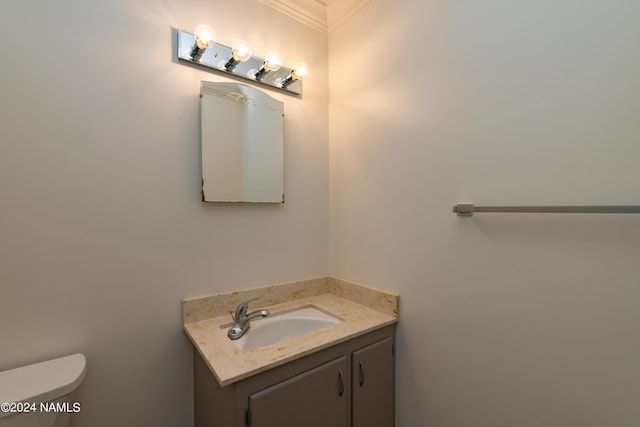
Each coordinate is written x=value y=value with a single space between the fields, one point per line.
x=201 y=49
x=299 y=70
x=271 y=63
x=204 y=38
x=240 y=52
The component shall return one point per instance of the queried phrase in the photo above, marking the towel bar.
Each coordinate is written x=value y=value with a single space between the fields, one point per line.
x=469 y=209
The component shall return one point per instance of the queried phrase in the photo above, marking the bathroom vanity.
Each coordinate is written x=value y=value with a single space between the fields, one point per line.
x=341 y=375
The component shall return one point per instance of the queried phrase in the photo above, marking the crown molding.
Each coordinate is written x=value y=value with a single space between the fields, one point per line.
x=309 y=12
x=338 y=11
x=321 y=15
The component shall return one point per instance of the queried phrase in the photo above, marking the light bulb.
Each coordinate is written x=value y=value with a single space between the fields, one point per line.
x=299 y=70
x=205 y=37
x=241 y=50
x=272 y=61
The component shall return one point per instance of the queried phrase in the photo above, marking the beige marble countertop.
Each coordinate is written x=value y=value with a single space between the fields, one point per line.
x=206 y=320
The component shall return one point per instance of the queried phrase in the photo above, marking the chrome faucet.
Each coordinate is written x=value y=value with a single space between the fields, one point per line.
x=241 y=319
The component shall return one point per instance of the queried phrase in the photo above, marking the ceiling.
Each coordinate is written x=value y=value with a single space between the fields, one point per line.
x=322 y=15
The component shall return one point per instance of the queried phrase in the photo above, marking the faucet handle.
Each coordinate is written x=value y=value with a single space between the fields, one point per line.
x=242 y=308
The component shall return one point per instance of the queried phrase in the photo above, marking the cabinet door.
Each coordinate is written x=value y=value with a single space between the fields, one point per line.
x=374 y=385
x=316 y=398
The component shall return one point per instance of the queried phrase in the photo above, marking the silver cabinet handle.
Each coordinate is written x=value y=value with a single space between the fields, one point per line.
x=361 y=379
x=340 y=383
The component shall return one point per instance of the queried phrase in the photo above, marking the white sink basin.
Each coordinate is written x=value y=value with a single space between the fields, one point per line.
x=280 y=327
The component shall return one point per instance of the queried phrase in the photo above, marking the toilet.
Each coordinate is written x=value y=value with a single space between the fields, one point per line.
x=41 y=393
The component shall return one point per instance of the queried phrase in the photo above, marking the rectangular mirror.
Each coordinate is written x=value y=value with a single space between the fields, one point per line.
x=242 y=144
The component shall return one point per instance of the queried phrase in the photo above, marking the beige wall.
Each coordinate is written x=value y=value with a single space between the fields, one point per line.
x=505 y=320
x=102 y=231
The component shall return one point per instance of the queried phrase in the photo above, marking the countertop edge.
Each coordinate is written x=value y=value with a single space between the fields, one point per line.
x=300 y=355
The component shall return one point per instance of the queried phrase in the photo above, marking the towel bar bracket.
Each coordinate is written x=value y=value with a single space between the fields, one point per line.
x=463 y=209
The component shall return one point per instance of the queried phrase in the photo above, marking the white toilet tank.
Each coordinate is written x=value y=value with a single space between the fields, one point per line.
x=39 y=395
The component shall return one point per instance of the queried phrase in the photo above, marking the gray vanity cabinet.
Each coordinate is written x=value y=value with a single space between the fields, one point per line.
x=373 y=385
x=350 y=384
x=315 y=398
